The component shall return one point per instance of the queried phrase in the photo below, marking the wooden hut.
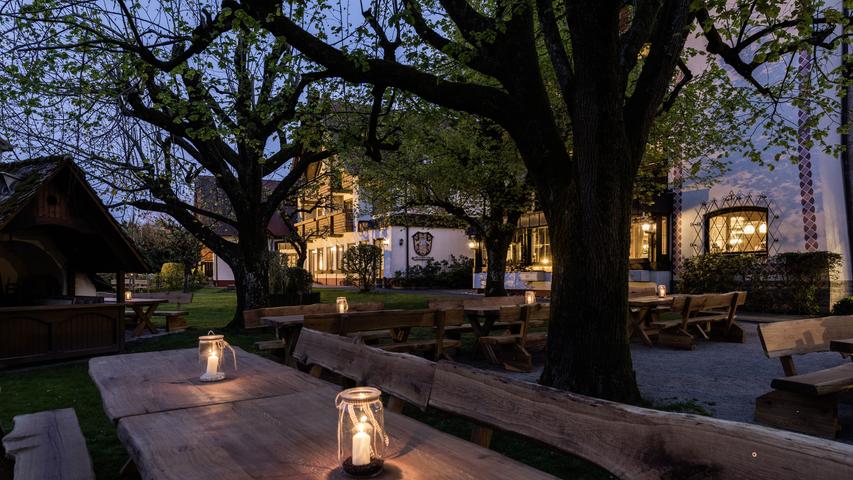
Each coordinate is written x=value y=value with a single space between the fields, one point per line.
x=55 y=233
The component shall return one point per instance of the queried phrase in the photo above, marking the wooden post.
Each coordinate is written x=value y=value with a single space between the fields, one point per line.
x=119 y=287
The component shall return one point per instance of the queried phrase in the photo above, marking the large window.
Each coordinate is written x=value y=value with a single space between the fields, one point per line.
x=736 y=230
x=541 y=246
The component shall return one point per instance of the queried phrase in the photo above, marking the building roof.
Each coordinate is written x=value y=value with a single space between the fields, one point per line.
x=85 y=230
x=20 y=181
x=210 y=197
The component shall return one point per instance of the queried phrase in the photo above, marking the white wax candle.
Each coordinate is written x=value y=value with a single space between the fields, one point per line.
x=360 y=447
x=212 y=364
x=661 y=291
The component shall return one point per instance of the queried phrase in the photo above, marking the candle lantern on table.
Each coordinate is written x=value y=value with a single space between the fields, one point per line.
x=211 y=350
x=342 y=304
x=361 y=431
x=128 y=295
x=661 y=291
x=530 y=297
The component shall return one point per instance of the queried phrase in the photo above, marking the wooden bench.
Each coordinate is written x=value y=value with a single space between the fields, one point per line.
x=512 y=349
x=806 y=403
x=709 y=315
x=457 y=326
x=399 y=323
x=48 y=445
x=405 y=377
x=176 y=320
x=252 y=318
x=633 y=442
x=629 y=442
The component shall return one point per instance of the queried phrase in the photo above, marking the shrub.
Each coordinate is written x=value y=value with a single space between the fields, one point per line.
x=172 y=276
x=361 y=266
x=455 y=273
x=785 y=283
x=291 y=285
x=843 y=307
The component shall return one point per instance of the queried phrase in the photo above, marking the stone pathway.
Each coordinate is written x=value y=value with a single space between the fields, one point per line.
x=723 y=378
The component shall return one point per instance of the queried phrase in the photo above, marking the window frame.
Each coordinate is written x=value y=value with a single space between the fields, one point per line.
x=729 y=210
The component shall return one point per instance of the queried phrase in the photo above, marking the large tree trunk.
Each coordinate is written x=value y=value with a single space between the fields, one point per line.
x=251 y=274
x=589 y=224
x=497 y=245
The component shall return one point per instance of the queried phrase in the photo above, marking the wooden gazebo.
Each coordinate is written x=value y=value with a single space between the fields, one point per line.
x=55 y=234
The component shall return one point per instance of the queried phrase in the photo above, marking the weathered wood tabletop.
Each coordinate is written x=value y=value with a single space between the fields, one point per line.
x=243 y=430
x=295 y=437
x=140 y=383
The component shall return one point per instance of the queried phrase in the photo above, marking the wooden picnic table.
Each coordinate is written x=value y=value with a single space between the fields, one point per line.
x=144 y=308
x=642 y=309
x=488 y=314
x=283 y=426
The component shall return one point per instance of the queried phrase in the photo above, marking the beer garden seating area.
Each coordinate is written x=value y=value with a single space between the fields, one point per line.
x=395 y=349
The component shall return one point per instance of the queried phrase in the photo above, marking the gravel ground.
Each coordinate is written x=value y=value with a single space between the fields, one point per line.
x=723 y=378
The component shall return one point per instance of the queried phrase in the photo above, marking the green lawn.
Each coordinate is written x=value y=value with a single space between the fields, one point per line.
x=69 y=385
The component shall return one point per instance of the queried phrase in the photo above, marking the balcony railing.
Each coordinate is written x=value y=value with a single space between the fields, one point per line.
x=333 y=225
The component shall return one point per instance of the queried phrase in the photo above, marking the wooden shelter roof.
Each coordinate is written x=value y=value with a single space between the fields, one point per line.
x=78 y=223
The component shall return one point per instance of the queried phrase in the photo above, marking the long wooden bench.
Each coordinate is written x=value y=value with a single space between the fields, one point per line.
x=48 y=446
x=252 y=318
x=629 y=442
x=407 y=378
x=456 y=327
x=808 y=402
x=362 y=325
x=708 y=315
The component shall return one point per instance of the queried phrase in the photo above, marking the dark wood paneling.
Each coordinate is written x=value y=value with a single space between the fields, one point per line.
x=30 y=334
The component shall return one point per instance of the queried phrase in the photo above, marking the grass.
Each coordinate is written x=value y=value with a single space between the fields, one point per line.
x=69 y=385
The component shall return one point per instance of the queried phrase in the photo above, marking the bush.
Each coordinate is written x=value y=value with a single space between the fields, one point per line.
x=361 y=266
x=288 y=285
x=785 y=283
x=455 y=273
x=172 y=276
x=843 y=307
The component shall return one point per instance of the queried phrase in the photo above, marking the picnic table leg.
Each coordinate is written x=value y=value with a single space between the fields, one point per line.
x=638 y=319
x=291 y=335
x=143 y=319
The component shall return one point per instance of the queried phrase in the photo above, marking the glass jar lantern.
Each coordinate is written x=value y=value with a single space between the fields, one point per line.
x=530 y=297
x=211 y=350
x=128 y=295
x=361 y=431
x=661 y=291
x=342 y=304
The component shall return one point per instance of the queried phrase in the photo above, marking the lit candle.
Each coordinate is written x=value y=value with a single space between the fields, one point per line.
x=529 y=297
x=343 y=306
x=661 y=291
x=128 y=295
x=212 y=364
x=360 y=445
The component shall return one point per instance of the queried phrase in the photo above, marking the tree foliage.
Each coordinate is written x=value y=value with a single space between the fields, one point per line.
x=361 y=265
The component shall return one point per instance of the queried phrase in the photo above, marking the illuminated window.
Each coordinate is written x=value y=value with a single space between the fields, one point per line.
x=541 y=246
x=736 y=230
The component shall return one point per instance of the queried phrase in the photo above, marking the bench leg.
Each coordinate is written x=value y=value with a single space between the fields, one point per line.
x=128 y=470
x=395 y=404
x=727 y=333
x=482 y=436
x=676 y=339
x=811 y=415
